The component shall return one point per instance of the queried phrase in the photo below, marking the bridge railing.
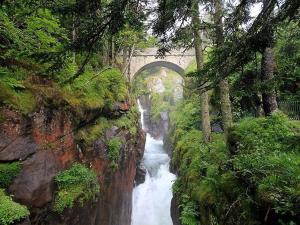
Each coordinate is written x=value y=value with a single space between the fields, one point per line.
x=291 y=108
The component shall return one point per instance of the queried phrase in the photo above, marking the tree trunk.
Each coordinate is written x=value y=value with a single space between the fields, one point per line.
x=204 y=98
x=111 y=58
x=223 y=85
x=267 y=74
x=225 y=105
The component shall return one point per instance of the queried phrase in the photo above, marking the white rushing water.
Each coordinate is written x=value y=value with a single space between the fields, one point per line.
x=152 y=199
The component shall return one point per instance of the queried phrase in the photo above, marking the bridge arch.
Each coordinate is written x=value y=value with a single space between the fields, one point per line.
x=177 y=60
x=166 y=64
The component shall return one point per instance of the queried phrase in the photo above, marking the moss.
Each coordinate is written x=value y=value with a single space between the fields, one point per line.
x=22 y=100
x=10 y=211
x=129 y=121
x=77 y=184
x=114 y=152
x=90 y=134
x=267 y=134
x=266 y=157
x=94 y=91
x=8 y=171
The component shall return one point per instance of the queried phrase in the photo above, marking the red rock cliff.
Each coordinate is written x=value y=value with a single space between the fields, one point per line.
x=44 y=143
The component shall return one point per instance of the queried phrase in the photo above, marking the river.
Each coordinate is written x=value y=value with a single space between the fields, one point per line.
x=152 y=199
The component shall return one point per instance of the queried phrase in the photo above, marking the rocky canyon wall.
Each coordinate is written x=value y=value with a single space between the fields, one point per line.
x=45 y=144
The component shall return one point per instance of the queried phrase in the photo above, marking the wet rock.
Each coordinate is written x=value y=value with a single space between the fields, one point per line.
x=175 y=213
x=34 y=185
x=78 y=215
x=24 y=222
x=99 y=148
x=18 y=149
x=140 y=176
x=112 y=132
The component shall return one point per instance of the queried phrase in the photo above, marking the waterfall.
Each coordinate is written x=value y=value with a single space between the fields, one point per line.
x=152 y=199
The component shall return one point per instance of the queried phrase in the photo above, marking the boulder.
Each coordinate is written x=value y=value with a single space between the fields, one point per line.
x=18 y=149
x=34 y=185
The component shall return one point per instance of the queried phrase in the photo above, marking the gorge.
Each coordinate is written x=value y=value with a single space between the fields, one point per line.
x=149 y=112
x=152 y=199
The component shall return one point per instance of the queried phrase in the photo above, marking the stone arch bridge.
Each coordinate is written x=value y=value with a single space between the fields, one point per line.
x=177 y=60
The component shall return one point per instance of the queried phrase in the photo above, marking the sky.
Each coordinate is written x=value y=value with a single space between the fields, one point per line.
x=152 y=4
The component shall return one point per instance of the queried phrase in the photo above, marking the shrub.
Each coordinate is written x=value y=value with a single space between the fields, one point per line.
x=10 y=211
x=265 y=158
x=8 y=171
x=261 y=171
x=264 y=134
x=114 y=146
x=77 y=184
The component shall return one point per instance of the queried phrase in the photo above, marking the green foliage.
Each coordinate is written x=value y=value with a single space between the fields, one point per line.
x=259 y=168
x=266 y=157
x=14 y=95
x=10 y=211
x=268 y=134
x=114 y=152
x=77 y=184
x=131 y=37
x=8 y=171
x=128 y=121
x=92 y=90
x=90 y=134
x=158 y=105
x=189 y=212
x=145 y=84
x=287 y=54
x=38 y=41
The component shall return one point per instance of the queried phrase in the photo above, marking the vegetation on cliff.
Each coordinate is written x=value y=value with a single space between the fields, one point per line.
x=114 y=147
x=75 y=185
x=8 y=172
x=10 y=211
x=257 y=173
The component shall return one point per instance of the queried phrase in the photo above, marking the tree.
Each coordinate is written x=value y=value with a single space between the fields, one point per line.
x=204 y=98
x=223 y=84
x=186 y=14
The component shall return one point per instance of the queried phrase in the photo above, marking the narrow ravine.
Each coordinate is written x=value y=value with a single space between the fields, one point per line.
x=152 y=199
